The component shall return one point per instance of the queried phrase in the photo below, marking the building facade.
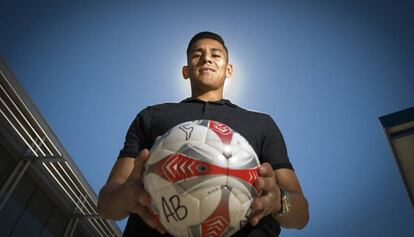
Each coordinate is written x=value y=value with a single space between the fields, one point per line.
x=42 y=191
x=399 y=130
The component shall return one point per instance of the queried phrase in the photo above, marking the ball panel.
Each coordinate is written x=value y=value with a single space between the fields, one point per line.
x=201 y=186
x=214 y=140
x=187 y=132
x=242 y=190
x=242 y=160
x=206 y=153
x=243 y=155
x=157 y=154
x=210 y=198
x=154 y=183
x=216 y=223
x=238 y=211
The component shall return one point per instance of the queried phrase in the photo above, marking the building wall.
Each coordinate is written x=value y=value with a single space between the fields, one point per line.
x=42 y=192
x=29 y=211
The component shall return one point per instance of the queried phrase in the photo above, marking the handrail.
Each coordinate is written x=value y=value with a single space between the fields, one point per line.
x=28 y=129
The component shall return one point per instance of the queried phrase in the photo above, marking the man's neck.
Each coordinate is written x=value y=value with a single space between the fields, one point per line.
x=208 y=96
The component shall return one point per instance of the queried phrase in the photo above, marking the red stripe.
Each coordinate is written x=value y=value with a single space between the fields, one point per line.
x=178 y=167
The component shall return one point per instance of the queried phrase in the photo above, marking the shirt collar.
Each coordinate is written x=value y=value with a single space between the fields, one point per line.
x=219 y=102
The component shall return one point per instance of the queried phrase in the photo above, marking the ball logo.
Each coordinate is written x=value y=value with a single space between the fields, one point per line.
x=223 y=131
x=187 y=129
x=221 y=128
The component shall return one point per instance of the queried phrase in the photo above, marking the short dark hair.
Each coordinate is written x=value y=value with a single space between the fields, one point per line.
x=206 y=35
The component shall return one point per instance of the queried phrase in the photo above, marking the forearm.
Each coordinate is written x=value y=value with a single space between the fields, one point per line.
x=110 y=203
x=298 y=215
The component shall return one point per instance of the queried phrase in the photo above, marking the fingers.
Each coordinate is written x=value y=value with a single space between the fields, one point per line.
x=262 y=202
x=140 y=205
x=139 y=163
x=142 y=156
x=150 y=220
x=134 y=195
x=160 y=227
x=266 y=180
x=264 y=184
x=261 y=206
x=144 y=198
x=256 y=217
x=266 y=201
x=266 y=170
x=145 y=215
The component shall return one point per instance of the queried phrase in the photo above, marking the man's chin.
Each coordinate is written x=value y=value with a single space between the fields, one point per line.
x=206 y=77
x=202 y=85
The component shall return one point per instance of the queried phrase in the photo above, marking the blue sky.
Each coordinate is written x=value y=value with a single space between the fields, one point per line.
x=324 y=70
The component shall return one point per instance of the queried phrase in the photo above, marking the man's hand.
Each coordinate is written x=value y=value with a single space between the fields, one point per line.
x=136 y=199
x=124 y=192
x=268 y=198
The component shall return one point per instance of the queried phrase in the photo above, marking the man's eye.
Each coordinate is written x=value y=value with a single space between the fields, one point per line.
x=196 y=55
x=216 y=55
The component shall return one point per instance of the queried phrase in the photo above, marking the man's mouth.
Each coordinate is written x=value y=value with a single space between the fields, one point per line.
x=205 y=70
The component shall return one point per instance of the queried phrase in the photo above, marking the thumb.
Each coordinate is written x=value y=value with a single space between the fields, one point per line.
x=140 y=160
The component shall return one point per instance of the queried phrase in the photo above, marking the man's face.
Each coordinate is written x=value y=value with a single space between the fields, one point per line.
x=207 y=65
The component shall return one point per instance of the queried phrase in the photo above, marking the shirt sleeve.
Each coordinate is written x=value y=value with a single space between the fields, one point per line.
x=137 y=137
x=273 y=146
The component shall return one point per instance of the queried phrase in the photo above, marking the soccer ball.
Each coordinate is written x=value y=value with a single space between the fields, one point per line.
x=200 y=177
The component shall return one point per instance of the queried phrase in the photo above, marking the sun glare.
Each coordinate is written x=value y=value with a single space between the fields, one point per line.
x=233 y=88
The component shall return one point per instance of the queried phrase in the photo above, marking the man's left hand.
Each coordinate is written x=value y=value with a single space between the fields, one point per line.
x=268 y=199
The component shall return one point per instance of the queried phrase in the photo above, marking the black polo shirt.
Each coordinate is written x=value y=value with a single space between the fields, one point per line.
x=259 y=130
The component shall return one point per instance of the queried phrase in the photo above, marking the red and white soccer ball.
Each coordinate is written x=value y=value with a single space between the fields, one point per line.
x=200 y=177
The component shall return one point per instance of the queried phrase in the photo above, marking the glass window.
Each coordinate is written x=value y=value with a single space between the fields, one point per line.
x=7 y=164
x=78 y=232
x=14 y=207
x=35 y=215
x=56 y=224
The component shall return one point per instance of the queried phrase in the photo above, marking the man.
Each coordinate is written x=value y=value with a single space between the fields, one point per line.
x=280 y=201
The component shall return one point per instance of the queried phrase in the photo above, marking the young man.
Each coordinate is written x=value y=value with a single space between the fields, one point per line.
x=281 y=201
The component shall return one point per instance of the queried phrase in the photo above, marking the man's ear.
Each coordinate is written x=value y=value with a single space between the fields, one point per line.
x=185 y=72
x=229 y=70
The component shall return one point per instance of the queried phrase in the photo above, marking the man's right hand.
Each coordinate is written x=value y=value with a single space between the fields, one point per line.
x=137 y=199
x=124 y=192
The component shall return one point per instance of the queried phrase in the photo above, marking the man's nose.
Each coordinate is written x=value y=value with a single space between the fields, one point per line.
x=206 y=59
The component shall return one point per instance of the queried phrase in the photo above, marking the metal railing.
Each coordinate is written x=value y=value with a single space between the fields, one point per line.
x=55 y=162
